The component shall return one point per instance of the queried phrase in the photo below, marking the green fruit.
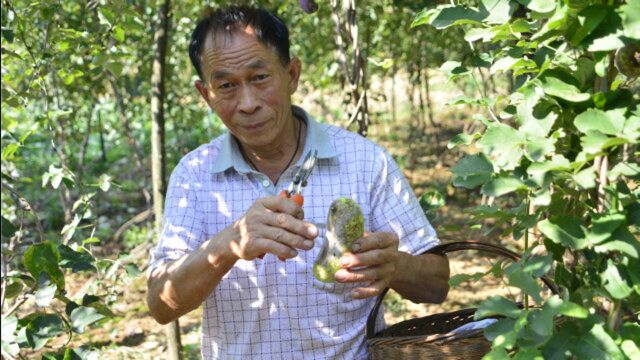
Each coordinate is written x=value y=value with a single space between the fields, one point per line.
x=345 y=223
x=627 y=60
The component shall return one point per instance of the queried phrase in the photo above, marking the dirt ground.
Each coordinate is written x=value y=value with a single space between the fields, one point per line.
x=133 y=334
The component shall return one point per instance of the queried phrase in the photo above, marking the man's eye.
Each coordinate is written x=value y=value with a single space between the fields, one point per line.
x=260 y=77
x=225 y=86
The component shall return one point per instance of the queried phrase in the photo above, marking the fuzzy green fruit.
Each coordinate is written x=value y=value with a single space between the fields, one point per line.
x=627 y=60
x=345 y=223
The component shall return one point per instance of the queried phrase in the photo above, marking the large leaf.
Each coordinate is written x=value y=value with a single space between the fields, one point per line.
x=44 y=257
x=596 y=344
x=538 y=170
x=541 y=321
x=564 y=230
x=616 y=281
x=83 y=316
x=499 y=11
x=456 y=15
x=503 y=145
x=502 y=185
x=540 y=6
x=497 y=305
x=520 y=279
x=603 y=226
x=75 y=260
x=8 y=229
x=610 y=122
x=630 y=13
x=43 y=328
x=589 y=19
x=471 y=171
x=555 y=87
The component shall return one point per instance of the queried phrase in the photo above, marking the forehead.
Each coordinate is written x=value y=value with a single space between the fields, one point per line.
x=236 y=48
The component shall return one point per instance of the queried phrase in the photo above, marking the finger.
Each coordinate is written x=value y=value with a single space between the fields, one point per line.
x=363 y=275
x=371 y=290
x=276 y=248
x=291 y=224
x=287 y=238
x=372 y=241
x=368 y=258
x=280 y=204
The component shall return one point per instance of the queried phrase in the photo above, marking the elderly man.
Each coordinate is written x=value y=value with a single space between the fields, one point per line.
x=223 y=212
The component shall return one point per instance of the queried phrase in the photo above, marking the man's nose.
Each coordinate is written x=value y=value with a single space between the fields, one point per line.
x=249 y=102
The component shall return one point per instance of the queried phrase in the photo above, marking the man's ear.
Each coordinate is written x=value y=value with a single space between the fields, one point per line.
x=202 y=89
x=294 y=68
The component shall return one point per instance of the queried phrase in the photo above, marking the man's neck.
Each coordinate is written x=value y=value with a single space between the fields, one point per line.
x=272 y=159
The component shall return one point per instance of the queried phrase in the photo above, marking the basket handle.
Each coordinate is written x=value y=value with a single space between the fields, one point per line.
x=444 y=249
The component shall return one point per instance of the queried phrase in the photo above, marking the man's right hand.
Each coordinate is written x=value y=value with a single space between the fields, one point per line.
x=272 y=225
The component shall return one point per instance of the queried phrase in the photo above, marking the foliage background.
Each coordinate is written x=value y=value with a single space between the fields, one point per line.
x=540 y=74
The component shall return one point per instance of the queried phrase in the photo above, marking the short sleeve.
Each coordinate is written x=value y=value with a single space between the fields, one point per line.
x=182 y=224
x=396 y=209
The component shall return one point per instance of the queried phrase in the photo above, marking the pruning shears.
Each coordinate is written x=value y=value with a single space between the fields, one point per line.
x=294 y=191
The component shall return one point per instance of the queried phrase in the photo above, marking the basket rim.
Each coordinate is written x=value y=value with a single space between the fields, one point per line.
x=443 y=249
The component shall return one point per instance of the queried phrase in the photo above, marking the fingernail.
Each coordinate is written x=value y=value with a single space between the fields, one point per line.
x=340 y=276
x=308 y=244
x=355 y=247
x=312 y=230
x=293 y=253
x=344 y=261
x=354 y=294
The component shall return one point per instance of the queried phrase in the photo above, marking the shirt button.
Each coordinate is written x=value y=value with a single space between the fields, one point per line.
x=266 y=183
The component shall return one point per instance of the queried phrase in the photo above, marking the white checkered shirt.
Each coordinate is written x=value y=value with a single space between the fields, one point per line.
x=268 y=309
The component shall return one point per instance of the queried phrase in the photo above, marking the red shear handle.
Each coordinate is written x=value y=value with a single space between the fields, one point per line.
x=296 y=198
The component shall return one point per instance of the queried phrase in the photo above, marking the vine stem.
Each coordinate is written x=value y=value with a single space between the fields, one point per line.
x=484 y=94
x=526 y=247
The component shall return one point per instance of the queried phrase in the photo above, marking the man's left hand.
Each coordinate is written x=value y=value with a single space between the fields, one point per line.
x=372 y=260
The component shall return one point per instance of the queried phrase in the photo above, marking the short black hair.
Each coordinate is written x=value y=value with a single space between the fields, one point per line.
x=269 y=30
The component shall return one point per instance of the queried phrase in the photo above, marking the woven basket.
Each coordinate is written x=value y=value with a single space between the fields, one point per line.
x=430 y=337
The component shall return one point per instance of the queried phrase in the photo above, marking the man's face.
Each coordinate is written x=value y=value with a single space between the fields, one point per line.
x=247 y=85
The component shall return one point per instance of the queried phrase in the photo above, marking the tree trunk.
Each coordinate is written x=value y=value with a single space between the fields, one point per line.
x=158 y=155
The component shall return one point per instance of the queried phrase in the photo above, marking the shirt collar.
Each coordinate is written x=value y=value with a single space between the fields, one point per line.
x=230 y=156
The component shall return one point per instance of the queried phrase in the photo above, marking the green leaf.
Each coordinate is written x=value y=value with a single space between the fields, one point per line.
x=539 y=147
x=609 y=122
x=564 y=230
x=615 y=280
x=603 y=225
x=596 y=344
x=555 y=87
x=607 y=43
x=46 y=291
x=458 y=279
x=424 y=17
x=8 y=229
x=42 y=328
x=540 y=6
x=630 y=14
x=83 y=316
x=630 y=349
x=118 y=33
x=9 y=327
x=462 y=139
x=589 y=19
x=625 y=169
x=537 y=265
x=499 y=11
x=471 y=171
x=503 y=64
x=502 y=185
x=497 y=305
x=573 y=310
x=75 y=260
x=541 y=321
x=518 y=278
x=44 y=257
x=538 y=170
x=104 y=182
x=503 y=145
x=586 y=178
x=456 y=15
